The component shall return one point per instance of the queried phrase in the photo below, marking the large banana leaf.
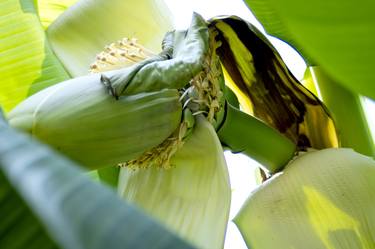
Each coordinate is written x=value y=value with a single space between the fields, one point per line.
x=49 y=10
x=27 y=63
x=40 y=189
x=337 y=35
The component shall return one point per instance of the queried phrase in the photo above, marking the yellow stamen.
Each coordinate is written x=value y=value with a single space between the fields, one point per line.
x=122 y=53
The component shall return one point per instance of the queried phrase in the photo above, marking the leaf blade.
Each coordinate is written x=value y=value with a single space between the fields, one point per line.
x=49 y=10
x=336 y=35
x=27 y=63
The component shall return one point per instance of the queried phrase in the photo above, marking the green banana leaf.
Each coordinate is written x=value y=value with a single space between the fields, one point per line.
x=27 y=63
x=337 y=35
x=42 y=191
x=49 y=10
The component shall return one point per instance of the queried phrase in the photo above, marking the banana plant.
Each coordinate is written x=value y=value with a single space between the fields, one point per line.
x=162 y=111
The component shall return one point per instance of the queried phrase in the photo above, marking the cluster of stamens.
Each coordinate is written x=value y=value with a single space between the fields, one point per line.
x=204 y=96
x=122 y=53
x=209 y=93
x=159 y=156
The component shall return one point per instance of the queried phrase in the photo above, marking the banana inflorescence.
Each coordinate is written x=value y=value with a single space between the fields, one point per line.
x=161 y=116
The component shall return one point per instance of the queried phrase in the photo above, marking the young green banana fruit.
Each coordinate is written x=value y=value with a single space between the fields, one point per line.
x=80 y=119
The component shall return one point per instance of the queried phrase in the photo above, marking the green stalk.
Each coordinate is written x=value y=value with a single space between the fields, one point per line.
x=244 y=133
x=347 y=111
x=109 y=175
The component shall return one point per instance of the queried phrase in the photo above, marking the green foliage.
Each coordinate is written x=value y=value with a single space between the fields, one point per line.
x=27 y=63
x=49 y=10
x=337 y=35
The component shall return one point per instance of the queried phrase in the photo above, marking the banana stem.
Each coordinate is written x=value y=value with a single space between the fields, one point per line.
x=347 y=111
x=244 y=133
x=109 y=175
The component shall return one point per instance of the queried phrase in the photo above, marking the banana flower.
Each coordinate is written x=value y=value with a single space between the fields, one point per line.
x=149 y=113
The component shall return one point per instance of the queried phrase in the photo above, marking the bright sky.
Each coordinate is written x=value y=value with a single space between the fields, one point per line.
x=241 y=168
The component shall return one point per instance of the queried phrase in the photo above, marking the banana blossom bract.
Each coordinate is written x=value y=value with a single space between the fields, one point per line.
x=322 y=199
x=193 y=197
